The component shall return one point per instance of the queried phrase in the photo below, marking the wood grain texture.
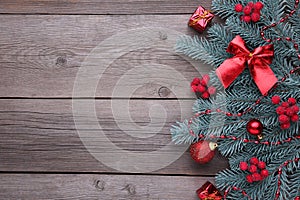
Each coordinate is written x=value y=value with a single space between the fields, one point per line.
x=41 y=55
x=74 y=186
x=40 y=135
x=100 y=6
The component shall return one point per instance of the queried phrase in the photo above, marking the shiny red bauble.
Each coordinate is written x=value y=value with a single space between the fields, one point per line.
x=255 y=127
x=203 y=151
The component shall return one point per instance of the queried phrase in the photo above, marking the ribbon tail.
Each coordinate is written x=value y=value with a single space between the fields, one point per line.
x=230 y=69
x=264 y=78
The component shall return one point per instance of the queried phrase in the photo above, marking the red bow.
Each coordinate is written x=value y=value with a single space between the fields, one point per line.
x=258 y=63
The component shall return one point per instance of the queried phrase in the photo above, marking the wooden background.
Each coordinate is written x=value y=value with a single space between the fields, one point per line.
x=42 y=46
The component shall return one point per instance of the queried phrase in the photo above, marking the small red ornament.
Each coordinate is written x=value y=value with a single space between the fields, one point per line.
x=247 y=10
x=255 y=17
x=276 y=99
x=208 y=192
x=258 y=5
x=252 y=168
x=292 y=101
x=203 y=151
x=200 y=19
x=254 y=161
x=238 y=7
x=254 y=127
x=243 y=166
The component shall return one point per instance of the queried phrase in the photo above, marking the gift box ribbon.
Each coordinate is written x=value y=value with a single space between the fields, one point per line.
x=204 y=15
x=258 y=62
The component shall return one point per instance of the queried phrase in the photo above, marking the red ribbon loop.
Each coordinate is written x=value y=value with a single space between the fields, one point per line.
x=258 y=62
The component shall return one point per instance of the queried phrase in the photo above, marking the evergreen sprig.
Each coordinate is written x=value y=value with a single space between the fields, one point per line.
x=242 y=94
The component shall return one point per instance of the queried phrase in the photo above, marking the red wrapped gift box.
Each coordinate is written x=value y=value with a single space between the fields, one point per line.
x=200 y=19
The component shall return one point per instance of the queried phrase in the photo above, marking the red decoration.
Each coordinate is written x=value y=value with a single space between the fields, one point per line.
x=254 y=127
x=258 y=62
x=251 y=12
x=200 y=19
x=238 y=7
x=276 y=99
x=257 y=169
x=208 y=192
x=201 y=86
x=243 y=166
x=287 y=111
x=203 y=151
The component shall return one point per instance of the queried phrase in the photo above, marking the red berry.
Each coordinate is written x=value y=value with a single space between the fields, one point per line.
x=211 y=90
x=280 y=110
x=238 y=7
x=250 y=4
x=256 y=177
x=285 y=104
x=194 y=84
x=195 y=81
x=252 y=168
x=247 y=10
x=295 y=118
x=283 y=119
x=254 y=161
x=243 y=166
x=289 y=112
x=205 y=95
x=264 y=173
x=205 y=79
x=276 y=99
x=285 y=126
x=261 y=165
x=258 y=5
x=255 y=17
x=201 y=88
x=249 y=178
x=292 y=101
x=246 y=18
x=295 y=108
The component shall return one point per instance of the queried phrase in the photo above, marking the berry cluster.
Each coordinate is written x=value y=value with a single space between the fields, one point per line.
x=201 y=85
x=257 y=169
x=287 y=111
x=251 y=12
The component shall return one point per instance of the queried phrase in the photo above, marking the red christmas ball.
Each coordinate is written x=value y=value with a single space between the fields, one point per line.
x=238 y=7
x=254 y=127
x=203 y=151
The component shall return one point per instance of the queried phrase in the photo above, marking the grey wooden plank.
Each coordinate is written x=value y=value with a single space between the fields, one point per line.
x=74 y=186
x=40 y=56
x=101 y=6
x=40 y=135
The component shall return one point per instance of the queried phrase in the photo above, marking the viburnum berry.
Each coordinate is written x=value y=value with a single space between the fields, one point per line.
x=285 y=126
x=243 y=166
x=258 y=5
x=280 y=110
x=254 y=161
x=283 y=119
x=247 y=10
x=276 y=99
x=292 y=101
x=238 y=7
x=252 y=168
x=255 y=17
x=289 y=111
x=295 y=118
x=205 y=79
x=194 y=84
x=205 y=95
x=285 y=104
x=201 y=88
x=250 y=4
x=264 y=173
x=295 y=108
x=256 y=177
x=246 y=18
x=261 y=165
x=249 y=178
